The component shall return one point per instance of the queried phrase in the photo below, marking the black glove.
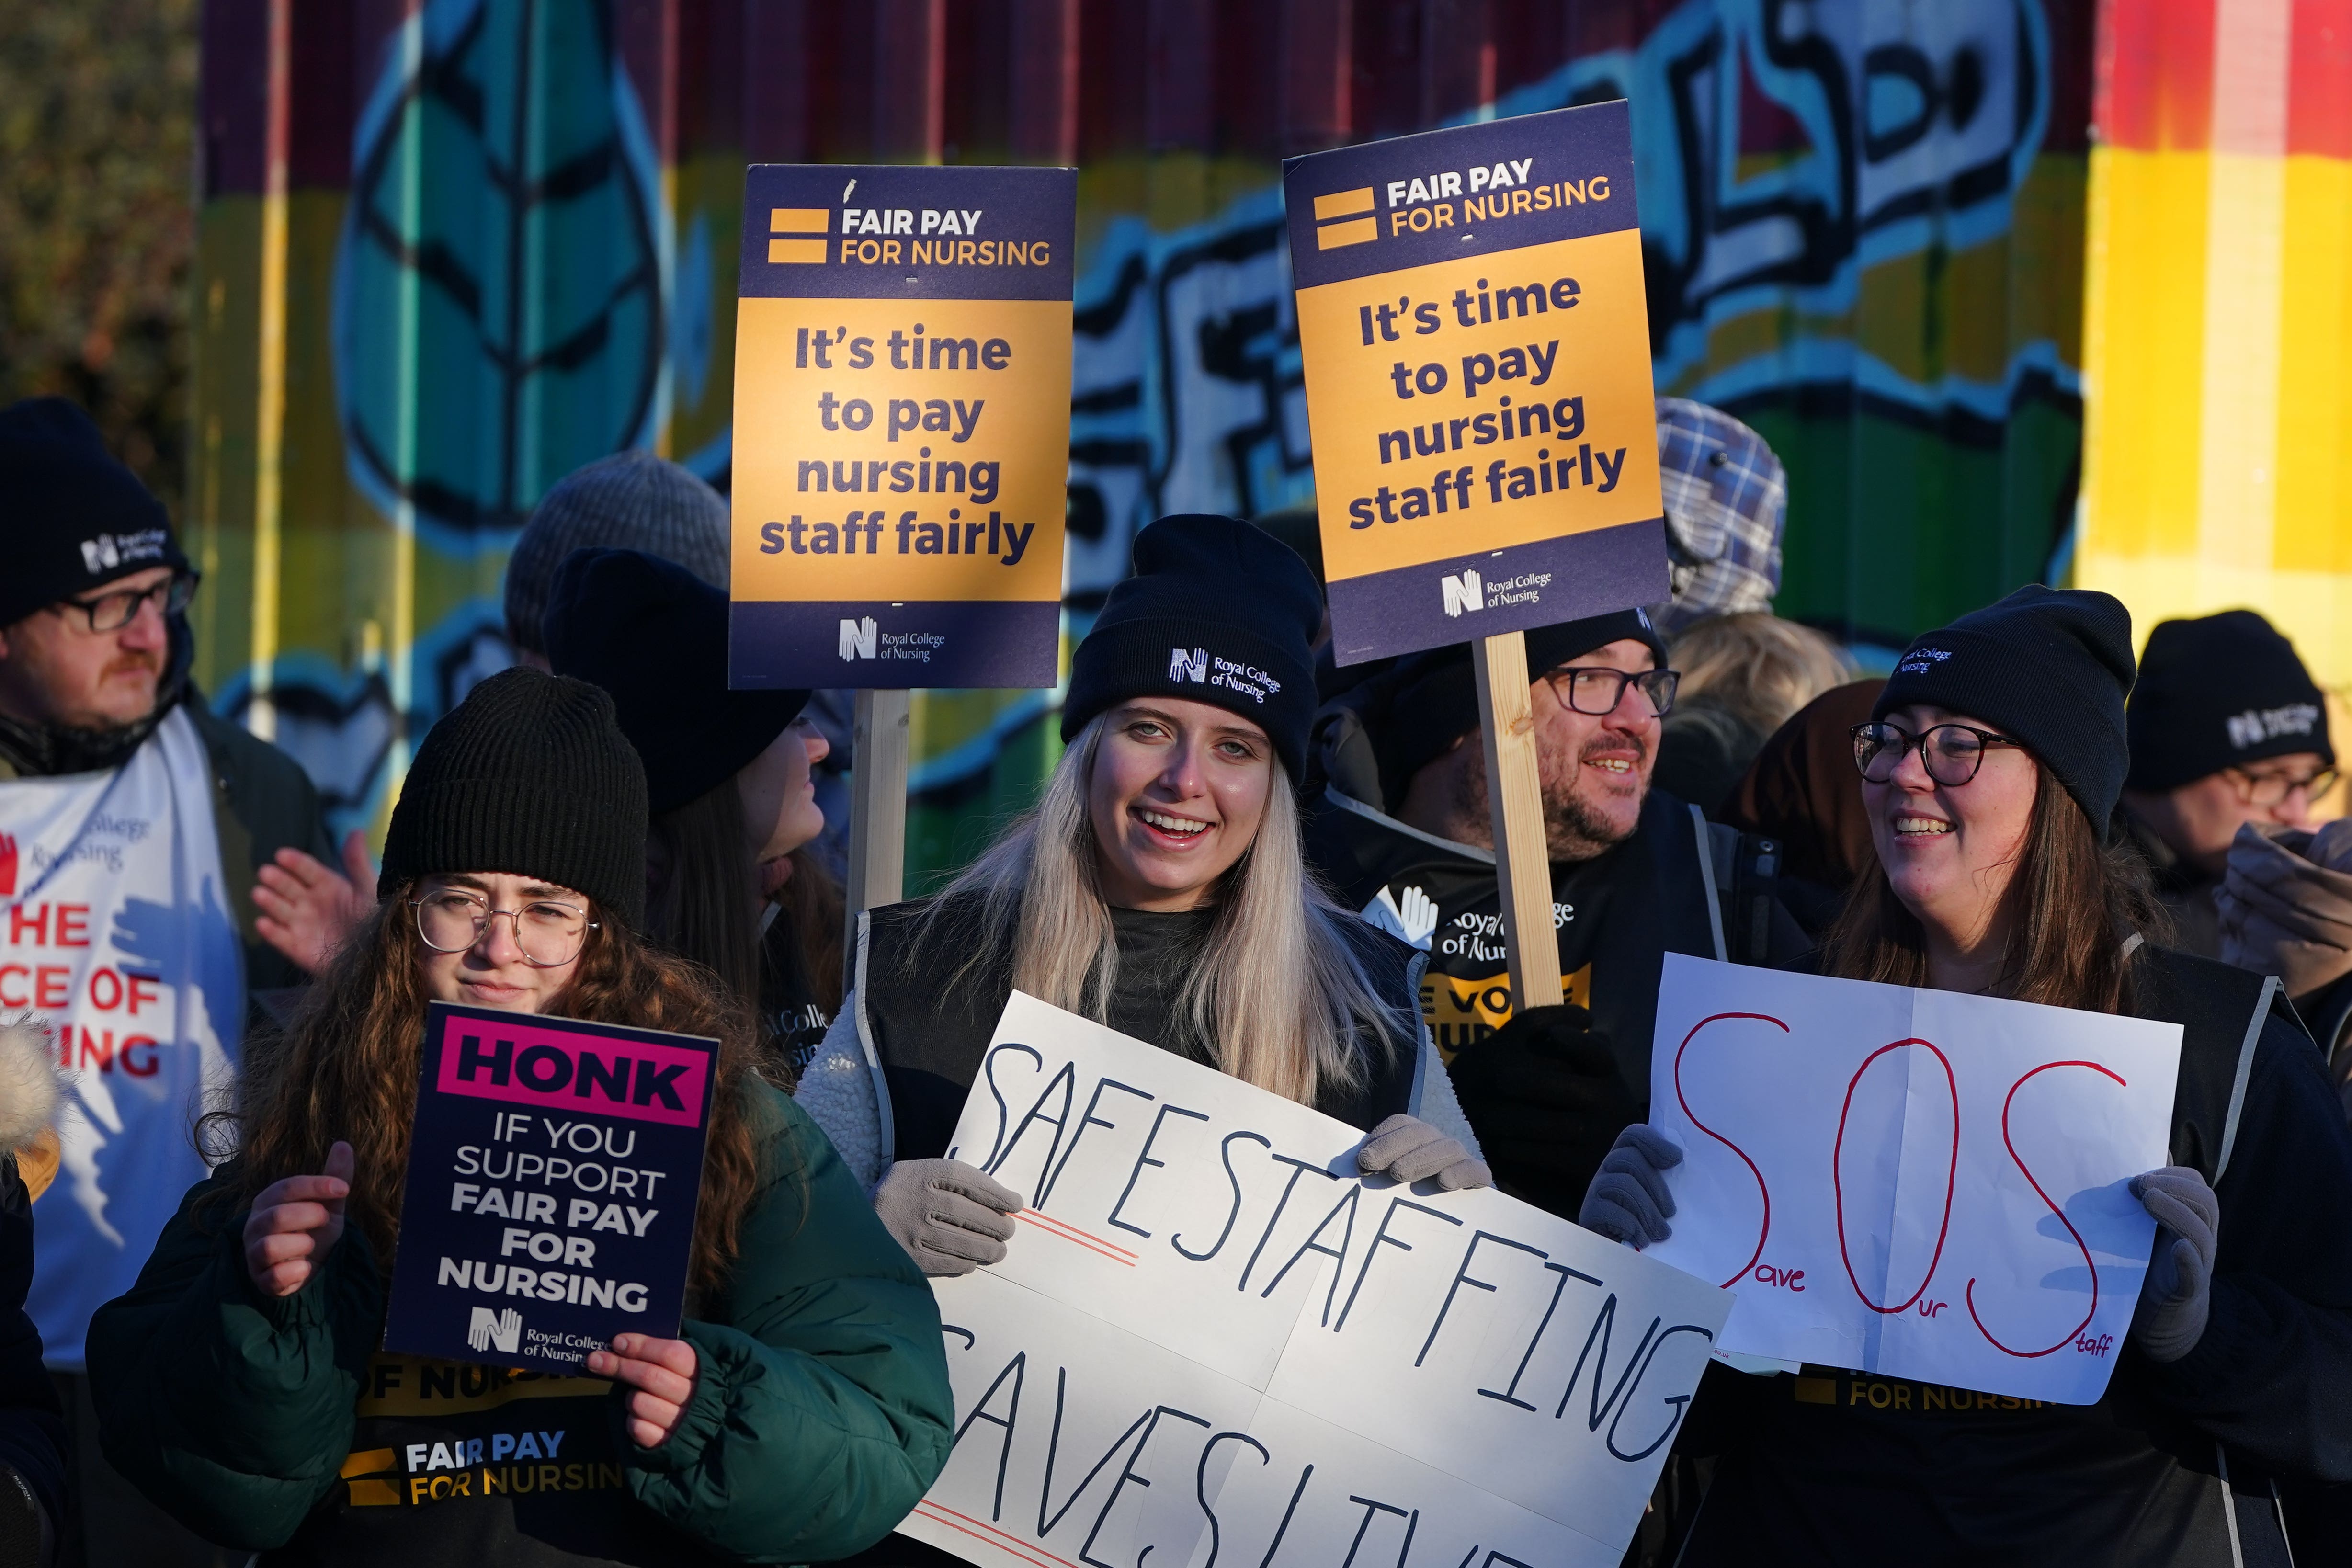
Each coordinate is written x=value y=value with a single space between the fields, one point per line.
x=1544 y=1095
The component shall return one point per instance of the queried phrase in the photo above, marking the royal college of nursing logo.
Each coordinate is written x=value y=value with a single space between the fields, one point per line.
x=857 y=638
x=1463 y=592
x=489 y=1330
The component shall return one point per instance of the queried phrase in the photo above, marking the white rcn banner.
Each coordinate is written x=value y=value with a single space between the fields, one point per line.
x=1917 y=1182
x=116 y=938
x=1213 y=1342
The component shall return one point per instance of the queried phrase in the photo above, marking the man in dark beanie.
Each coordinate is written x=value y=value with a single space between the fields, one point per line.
x=134 y=828
x=1400 y=830
x=2227 y=729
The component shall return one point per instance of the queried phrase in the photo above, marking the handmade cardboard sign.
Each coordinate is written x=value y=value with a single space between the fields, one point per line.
x=1917 y=1182
x=1476 y=346
x=1211 y=1338
x=553 y=1178
x=902 y=417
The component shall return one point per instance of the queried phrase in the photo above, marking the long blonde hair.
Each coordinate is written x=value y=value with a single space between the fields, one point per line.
x=1277 y=995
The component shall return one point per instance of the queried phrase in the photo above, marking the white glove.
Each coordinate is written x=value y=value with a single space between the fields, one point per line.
x=951 y=1218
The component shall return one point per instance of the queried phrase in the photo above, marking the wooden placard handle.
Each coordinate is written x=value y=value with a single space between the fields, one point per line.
x=877 y=808
x=1515 y=804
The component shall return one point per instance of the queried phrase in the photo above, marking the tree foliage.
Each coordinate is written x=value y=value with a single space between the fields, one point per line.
x=97 y=109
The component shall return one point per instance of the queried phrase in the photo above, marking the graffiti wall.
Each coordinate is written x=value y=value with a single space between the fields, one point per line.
x=453 y=248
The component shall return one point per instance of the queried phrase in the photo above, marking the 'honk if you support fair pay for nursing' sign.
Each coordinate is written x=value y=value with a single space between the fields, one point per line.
x=902 y=414
x=1476 y=334
x=553 y=1179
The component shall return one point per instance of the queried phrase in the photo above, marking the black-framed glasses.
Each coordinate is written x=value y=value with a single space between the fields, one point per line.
x=1950 y=752
x=112 y=612
x=549 y=932
x=2266 y=790
x=1597 y=691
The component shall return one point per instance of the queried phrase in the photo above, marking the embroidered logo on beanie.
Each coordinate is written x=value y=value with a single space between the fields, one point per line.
x=108 y=550
x=1920 y=660
x=2254 y=726
x=1202 y=668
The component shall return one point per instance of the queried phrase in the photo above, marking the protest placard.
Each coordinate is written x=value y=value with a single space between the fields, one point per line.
x=1917 y=1183
x=902 y=414
x=1476 y=346
x=553 y=1174
x=1475 y=341
x=901 y=450
x=1210 y=1336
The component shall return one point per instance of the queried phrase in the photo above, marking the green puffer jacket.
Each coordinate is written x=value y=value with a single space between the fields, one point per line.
x=821 y=1411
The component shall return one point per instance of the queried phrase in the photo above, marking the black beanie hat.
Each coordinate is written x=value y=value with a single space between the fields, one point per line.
x=1219 y=611
x=2216 y=692
x=530 y=775
x=1433 y=696
x=71 y=518
x=655 y=636
x=2047 y=667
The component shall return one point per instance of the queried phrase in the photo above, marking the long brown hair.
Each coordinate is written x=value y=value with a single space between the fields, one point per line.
x=346 y=1069
x=703 y=903
x=813 y=907
x=2071 y=906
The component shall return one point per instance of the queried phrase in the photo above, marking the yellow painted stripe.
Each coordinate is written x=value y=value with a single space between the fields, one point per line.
x=2245 y=249
x=1340 y=203
x=270 y=412
x=800 y=220
x=2312 y=531
x=1356 y=232
x=2143 y=352
x=784 y=250
x=368 y=1461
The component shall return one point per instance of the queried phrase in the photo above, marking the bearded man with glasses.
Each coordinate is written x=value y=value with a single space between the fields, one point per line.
x=136 y=830
x=1399 y=827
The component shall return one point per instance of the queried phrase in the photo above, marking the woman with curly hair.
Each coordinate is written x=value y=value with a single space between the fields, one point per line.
x=802 y=1410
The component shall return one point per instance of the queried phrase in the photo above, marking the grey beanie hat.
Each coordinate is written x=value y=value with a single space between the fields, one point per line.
x=630 y=501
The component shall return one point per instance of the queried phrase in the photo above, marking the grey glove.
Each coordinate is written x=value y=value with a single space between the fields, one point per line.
x=1407 y=1149
x=949 y=1217
x=1628 y=1200
x=2179 y=1290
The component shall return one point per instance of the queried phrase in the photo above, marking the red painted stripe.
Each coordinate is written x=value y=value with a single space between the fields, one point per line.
x=2154 y=89
x=2319 y=79
x=995 y=1537
x=1111 y=1250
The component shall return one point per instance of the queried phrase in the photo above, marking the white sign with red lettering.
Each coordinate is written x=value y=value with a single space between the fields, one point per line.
x=116 y=938
x=1917 y=1182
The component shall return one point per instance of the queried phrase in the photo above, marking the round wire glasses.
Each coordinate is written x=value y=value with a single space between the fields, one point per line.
x=549 y=932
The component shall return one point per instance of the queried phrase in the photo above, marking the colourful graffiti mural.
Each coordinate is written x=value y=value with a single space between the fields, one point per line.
x=2220 y=317
x=451 y=249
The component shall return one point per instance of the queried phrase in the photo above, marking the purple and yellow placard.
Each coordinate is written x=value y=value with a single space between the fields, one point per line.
x=902 y=414
x=1476 y=334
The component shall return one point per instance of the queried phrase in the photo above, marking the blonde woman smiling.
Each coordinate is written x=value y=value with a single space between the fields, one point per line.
x=1157 y=887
